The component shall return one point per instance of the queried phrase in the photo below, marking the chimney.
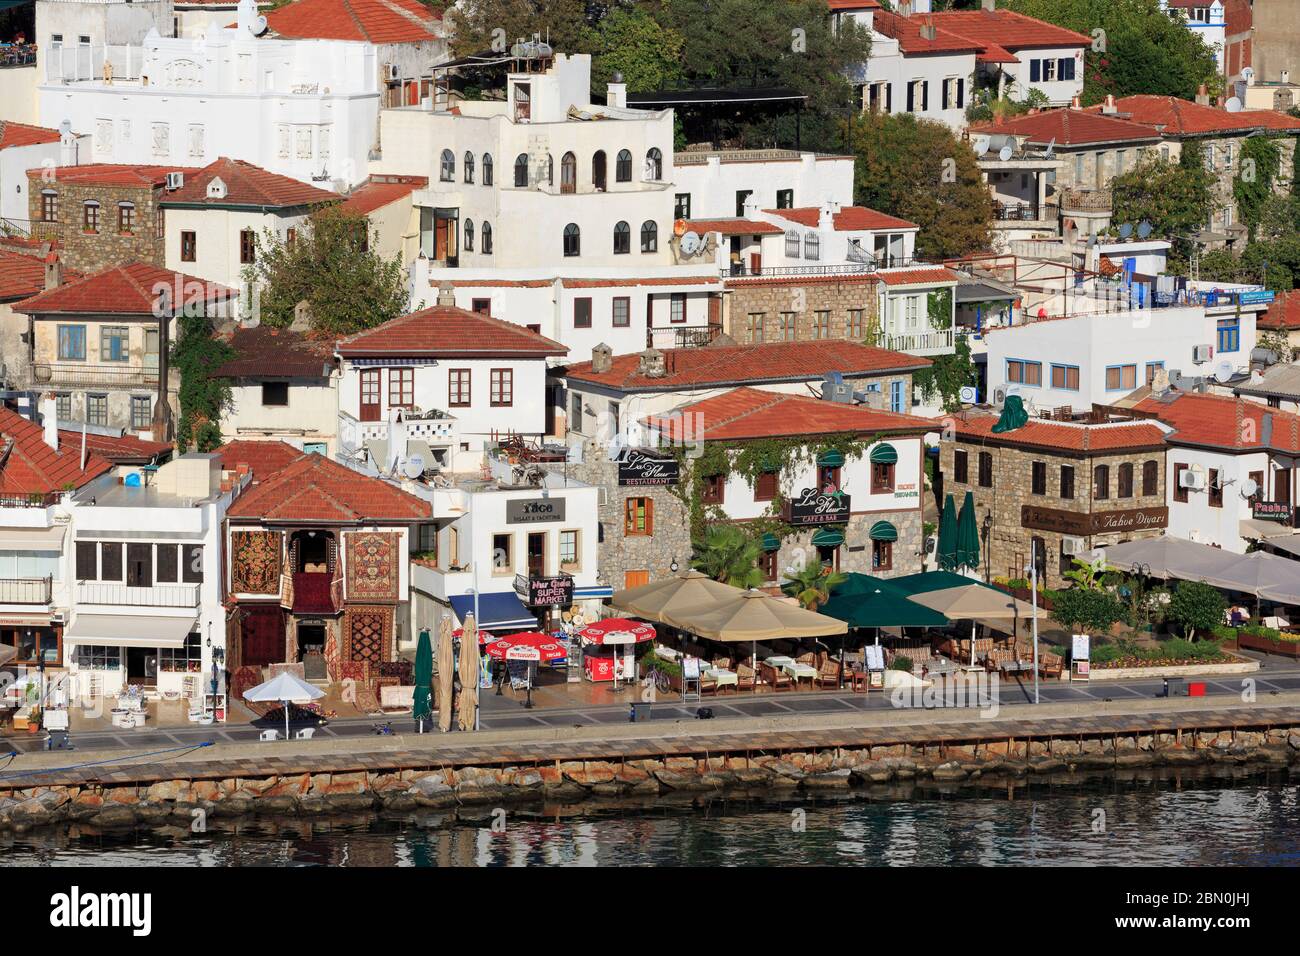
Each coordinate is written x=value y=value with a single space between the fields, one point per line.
x=1202 y=95
x=616 y=92
x=446 y=294
x=928 y=31
x=651 y=364
x=826 y=215
x=990 y=5
x=1109 y=106
x=602 y=358
x=1286 y=76
x=904 y=9
x=50 y=420
x=1076 y=103
x=53 y=271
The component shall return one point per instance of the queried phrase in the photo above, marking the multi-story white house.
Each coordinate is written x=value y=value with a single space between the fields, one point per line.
x=720 y=184
x=24 y=147
x=287 y=92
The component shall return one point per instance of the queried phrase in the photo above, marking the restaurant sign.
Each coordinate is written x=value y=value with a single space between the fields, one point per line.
x=638 y=468
x=1084 y=523
x=534 y=510
x=813 y=506
x=1270 y=510
x=545 y=592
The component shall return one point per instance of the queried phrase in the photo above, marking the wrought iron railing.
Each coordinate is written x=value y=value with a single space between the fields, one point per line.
x=85 y=374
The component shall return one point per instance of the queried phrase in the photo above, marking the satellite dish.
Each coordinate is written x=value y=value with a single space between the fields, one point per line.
x=1248 y=487
x=65 y=127
x=1126 y=230
x=1247 y=73
x=1144 y=229
x=981 y=145
x=1005 y=153
x=1233 y=105
x=414 y=466
x=1224 y=370
x=691 y=243
x=968 y=395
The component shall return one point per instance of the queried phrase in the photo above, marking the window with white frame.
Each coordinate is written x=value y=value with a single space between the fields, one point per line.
x=569 y=551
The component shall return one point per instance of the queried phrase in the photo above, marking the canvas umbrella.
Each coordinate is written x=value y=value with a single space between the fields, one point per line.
x=446 y=674
x=655 y=600
x=968 y=538
x=946 y=553
x=469 y=665
x=532 y=647
x=422 y=699
x=285 y=688
x=614 y=632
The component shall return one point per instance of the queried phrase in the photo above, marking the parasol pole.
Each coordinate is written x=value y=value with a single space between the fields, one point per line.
x=286 y=718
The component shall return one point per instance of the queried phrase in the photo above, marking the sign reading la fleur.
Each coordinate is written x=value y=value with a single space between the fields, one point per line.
x=1100 y=522
x=813 y=506
x=638 y=468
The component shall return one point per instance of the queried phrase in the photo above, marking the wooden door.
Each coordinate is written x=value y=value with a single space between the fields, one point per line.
x=755 y=263
x=441 y=239
x=598 y=170
x=262 y=635
x=634 y=579
x=370 y=400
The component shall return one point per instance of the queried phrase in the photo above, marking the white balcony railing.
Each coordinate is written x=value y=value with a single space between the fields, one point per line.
x=935 y=342
x=436 y=428
x=159 y=595
x=25 y=590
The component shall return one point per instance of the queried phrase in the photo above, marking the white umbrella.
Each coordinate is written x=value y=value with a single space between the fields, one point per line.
x=285 y=688
x=7 y=654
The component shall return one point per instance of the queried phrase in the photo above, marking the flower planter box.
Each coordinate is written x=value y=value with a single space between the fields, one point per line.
x=1024 y=594
x=1257 y=642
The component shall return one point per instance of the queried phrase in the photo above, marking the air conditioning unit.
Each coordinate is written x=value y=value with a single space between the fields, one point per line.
x=1072 y=546
x=1194 y=480
x=999 y=397
x=58 y=617
x=393 y=72
x=1202 y=353
x=175 y=181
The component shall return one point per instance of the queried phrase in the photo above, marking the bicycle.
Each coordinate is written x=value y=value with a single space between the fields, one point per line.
x=382 y=730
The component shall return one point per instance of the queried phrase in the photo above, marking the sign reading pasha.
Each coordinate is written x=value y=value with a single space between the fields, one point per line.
x=1100 y=522
x=813 y=506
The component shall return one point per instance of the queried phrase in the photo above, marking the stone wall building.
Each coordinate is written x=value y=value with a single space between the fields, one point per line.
x=1059 y=487
x=755 y=309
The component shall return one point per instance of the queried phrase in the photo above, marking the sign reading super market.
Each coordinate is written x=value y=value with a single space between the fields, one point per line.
x=812 y=506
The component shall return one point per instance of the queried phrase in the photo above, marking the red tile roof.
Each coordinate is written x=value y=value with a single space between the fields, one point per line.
x=733 y=227
x=376 y=193
x=278 y=353
x=720 y=365
x=747 y=413
x=1283 y=313
x=131 y=289
x=447 y=330
x=113 y=174
x=918 y=276
x=992 y=53
x=907 y=31
x=1217 y=421
x=21 y=134
x=246 y=185
x=1062 y=436
x=29 y=466
x=118 y=449
x=313 y=488
x=22 y=274
x=853 y=4
x=848 y=219
x=263 y=458
x=1008 y=29
x=374 y=21
x=1238 y=17
x=1175 y=117
x=1068 y=127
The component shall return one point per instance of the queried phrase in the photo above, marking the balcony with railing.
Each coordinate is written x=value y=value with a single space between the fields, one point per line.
x=741 y=270
x=85 y=374
x=1085 y=200
x=931 y=342
x=126 y=595
x=681 y=336
x=1019 y=212
x=36 y=499
x=26 y=590
x=436 y=427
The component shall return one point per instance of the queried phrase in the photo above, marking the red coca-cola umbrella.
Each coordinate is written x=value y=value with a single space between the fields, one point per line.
x=528 y=646
x=617 y=630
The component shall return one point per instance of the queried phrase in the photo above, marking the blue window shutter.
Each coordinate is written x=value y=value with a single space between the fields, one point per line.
x=1035 y=70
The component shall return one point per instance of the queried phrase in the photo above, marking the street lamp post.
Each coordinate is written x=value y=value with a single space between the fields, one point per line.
x=1033 y=598
x=478 y=624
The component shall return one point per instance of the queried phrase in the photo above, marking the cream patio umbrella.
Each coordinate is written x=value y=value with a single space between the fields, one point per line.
x=469 y=668
x=976 y=602
x=655 y=600
x=446 y=674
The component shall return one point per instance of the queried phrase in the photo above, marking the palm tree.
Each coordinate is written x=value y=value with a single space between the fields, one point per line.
x=812 y=584
x=727 y=554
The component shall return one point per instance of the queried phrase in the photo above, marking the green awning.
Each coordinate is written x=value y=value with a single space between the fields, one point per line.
x=771 y=542
x=883 y=531
x=827 y=538
x=884 y=454
x=831 y=458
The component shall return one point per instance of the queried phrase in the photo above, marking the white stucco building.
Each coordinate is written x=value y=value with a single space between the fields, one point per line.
x=24 y=147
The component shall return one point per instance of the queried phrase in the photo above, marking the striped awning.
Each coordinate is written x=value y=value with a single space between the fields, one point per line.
x=771 y=542
x=827 y=538
x=884 y=454
x=831 y=458
x=883 y=531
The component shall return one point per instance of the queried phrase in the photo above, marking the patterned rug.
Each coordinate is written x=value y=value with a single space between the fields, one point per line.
x=372 y=565
x=369 y=634
x=255 y=562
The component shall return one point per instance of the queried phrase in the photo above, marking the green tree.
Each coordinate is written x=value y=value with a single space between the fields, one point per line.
x=947 y=375
x=1196 y=606
x=1089 y=610
x=332 y=268
x=1086 y=574
x=1175 y=198
x=1145 y=49
x=812 y=584
x=196 y=353
x=1257 y=170
x=919 y=170
x=727 y=554
x=633 y=43
x=473 y=25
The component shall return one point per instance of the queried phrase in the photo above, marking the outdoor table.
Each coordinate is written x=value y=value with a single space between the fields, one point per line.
x=665 y=653
x=779 y=660
x=800 y=671
x=723 y=677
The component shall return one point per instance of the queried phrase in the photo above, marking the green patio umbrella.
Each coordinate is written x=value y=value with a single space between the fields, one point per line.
x=422 y=702
x=946 y=554
x=867 y=601
x=1013 y=415
x=968 y=536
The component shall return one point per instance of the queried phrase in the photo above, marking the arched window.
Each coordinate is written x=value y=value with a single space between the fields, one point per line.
x=1124 y=480
x=448 y=170
x=649 y=236
x=90 y=216
x=792 y=244
x=812 y=246
x=521 y=169
x=623 y=166
x=549 y=170
x=1150 y=477
x=486 y=246
x=1101 y=483
x=469 y=235
x=598 y=170
x=572 y=239
x=622 y=238
x=654 y=164
x=468 y=163
x=126 y=217
x=568 y=173
x=487 y=169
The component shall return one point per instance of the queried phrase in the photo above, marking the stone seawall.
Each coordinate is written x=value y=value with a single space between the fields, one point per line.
x=809 y=769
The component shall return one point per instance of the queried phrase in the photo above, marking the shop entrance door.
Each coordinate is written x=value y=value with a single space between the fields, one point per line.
x=142 y=666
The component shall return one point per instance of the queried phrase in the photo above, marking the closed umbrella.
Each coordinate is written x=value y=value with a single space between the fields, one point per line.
x=968 y=538
x=946 y=553
x=422 y=702
x=285 y=688
x=446 y=674
x=469 y=666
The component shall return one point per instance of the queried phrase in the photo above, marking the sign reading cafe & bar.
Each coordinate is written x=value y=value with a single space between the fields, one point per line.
x=638 y=468
x=813 y=506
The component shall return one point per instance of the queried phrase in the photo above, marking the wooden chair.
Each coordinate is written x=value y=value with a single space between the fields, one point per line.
x=746 y=679
x=809 y=658
x=776 y=679
x=708 y=685
x=858 y=679
x=829 y=675
x=723 y=663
